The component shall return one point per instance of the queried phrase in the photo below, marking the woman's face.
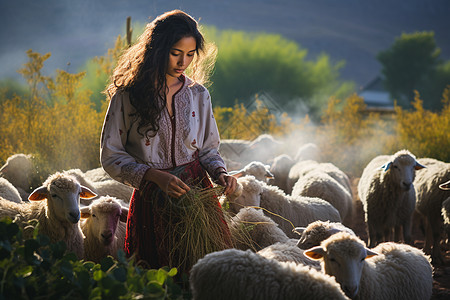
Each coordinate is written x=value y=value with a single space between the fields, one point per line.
x=181 y=55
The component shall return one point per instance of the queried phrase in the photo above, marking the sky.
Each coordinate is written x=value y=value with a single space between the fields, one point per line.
x=352 y=30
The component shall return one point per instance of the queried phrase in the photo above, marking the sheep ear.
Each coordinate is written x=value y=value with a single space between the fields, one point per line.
x=386 y=166
x=124 y=214
x=269 y=175
x=418 y=166
x=85 y=212
x=445 y=186
x=299 y=230
x=4 y=169
x=38 y=194
x=370 y=253
x=315 y=253
x=86 y=193
x=237 y=174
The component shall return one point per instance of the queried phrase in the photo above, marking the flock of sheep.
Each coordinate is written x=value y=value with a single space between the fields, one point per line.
x=296 y=213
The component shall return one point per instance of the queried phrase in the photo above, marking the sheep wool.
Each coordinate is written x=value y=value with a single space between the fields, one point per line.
x=251 y=229
x=236 y=274
x=8 y=191
x=430 y=202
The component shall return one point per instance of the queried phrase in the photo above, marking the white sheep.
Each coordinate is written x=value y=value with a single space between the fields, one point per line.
x=236 y=274
x=18 y=170
x=262 y=148
x=308 y=151
x=233 y=149
x=97 y=174
x=104 y=225
x=58 y=216
x=387 y=194
x=389 y=271
x=429 y=203
x=251 y=229
x=285 y=210
x=280 y=167
x=318 y=231
x=111 y=187
x=321 y=185
x=9 y=191
x=302 y=168
x=288 y=252
x=255 y=168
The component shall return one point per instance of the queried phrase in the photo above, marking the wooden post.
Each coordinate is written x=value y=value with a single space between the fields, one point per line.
x=129 y=31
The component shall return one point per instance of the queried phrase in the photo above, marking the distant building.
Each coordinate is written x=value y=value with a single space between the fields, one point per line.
x=376 y=97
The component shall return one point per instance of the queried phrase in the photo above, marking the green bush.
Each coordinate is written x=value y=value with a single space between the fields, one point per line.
x=38 y=269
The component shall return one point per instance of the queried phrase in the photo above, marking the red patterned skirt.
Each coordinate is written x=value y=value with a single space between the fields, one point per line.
x=147 y=225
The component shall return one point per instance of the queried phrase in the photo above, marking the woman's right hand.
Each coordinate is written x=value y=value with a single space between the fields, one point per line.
x=168 y=183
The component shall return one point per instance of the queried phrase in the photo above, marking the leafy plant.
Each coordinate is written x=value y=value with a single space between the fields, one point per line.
x=37 y=269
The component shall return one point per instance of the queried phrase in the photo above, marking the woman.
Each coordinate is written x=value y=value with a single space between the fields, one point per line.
x=159 y=134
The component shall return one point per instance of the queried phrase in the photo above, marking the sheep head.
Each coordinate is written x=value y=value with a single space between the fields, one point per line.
x=63 y=195
x=402 y=167
x=102 y=216
x=343 y=256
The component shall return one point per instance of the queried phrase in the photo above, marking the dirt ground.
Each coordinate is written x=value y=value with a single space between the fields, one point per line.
x=441 y=274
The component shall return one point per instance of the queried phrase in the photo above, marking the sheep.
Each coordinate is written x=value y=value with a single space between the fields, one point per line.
x=429 y=203
x=233 y=149
x=97 y=174
x=308 y=151
x=318 y=231
x=389 y=271
x=280 y=169
x=58 y=216
x=257 y=169
x=251 y=229
x=300 y=211
x=18 y=171
x=445 y=212
x=386 y=191
x=262 y=148
x=237 y=274
x=104 y=225
x=321 y=185
x=8 y=191
x=302 y=168
x=239 y=199
x=103 y=188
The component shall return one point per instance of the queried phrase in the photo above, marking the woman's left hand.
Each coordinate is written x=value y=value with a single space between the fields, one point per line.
x=228 y=181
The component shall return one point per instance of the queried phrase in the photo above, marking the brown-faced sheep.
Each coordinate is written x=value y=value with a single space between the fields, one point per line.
x=103 y=225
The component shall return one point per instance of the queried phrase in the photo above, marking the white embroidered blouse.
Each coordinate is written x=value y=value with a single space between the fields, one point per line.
x=126 y=155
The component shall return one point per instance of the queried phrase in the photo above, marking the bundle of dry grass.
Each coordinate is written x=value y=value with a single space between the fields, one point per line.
x=197 y=227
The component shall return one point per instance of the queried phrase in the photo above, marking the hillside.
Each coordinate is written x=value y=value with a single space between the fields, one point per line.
x=350 y=30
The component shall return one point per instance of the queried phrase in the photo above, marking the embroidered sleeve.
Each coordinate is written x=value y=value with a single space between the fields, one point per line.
x=209 y=154
x=115 y=160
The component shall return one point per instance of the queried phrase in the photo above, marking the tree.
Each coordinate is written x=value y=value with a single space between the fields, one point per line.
x=408 y=64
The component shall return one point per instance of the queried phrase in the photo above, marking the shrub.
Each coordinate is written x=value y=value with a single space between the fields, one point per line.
x=37 y=269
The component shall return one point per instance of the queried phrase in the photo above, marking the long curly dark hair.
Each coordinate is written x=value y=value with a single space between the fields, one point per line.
x=141 y=69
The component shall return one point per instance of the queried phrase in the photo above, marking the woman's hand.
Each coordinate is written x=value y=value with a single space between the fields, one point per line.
x=228 y=181
x=168 y=183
